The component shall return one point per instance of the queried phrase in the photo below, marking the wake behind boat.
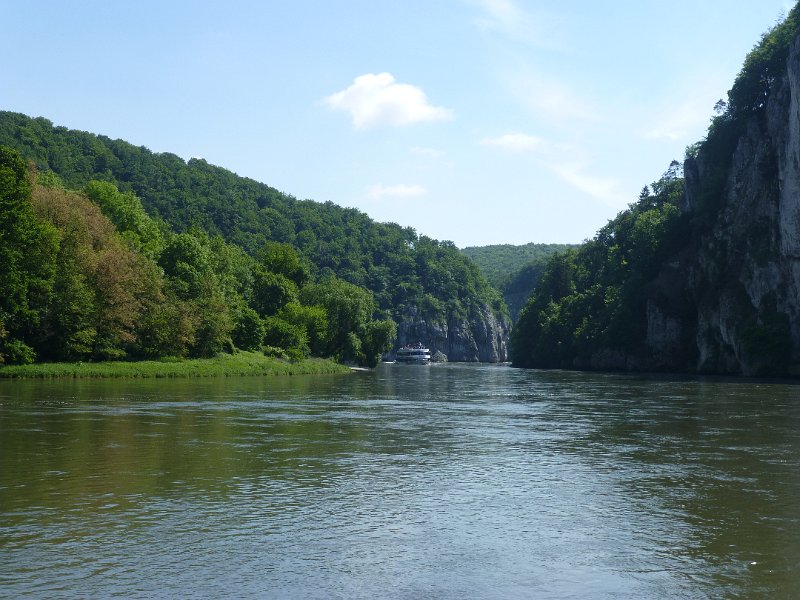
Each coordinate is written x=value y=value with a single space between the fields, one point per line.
x=414 y=353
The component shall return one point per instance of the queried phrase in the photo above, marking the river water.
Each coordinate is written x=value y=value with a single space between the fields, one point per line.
x=441 y=481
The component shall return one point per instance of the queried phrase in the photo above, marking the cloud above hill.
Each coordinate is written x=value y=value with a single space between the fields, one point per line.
x=377 y=99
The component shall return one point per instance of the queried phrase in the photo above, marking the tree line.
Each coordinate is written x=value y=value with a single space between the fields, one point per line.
x=89 y=275
x=594 y=297
x=513 y=270
x=405 y=273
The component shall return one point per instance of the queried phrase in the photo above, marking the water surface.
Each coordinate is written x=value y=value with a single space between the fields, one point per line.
x=441 y=481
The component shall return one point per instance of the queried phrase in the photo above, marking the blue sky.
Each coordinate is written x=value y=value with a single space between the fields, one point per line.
x=477 y=121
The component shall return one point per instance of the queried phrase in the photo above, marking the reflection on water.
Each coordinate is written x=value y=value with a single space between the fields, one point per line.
x=444 y=481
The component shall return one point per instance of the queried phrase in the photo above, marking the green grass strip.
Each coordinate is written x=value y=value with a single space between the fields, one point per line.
x=224 y=365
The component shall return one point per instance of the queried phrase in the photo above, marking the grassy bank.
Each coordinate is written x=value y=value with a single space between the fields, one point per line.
x=224 y=365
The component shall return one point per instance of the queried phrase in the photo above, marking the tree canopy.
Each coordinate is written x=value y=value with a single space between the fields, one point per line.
x=156 y=200
x=111 y=251
x=593 y=297
x=514 y=270
x=28 y=249
x=90 y=276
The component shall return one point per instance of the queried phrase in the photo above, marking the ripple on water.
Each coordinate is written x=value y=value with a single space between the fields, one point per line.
x=450 y=482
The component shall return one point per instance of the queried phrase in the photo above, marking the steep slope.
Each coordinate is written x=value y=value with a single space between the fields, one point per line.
x=412 y=277
x=744 y=273
x=702 y=274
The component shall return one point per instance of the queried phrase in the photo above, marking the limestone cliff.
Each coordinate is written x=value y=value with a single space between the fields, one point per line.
x=481 y=337
x=730 y=301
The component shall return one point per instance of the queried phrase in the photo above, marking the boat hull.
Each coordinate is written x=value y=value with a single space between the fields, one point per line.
x=418 y=356
x=414 y=360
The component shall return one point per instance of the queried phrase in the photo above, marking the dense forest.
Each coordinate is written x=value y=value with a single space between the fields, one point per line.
x=594 y=296
x=90 y=276
x=513 y=270
x=690 y=276
x=108 y=250
x=501 y=262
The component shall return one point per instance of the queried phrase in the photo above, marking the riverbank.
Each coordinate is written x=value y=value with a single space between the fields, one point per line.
x=224 y=365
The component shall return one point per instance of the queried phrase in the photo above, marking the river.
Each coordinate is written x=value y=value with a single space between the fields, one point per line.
x=441 y=481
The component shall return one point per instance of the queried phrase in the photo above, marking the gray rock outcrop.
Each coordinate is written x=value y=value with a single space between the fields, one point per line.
x=482 y=337
x=730 y=302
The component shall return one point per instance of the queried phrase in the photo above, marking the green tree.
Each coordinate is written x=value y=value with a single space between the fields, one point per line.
x=28 y=248
x=286 y=336
x=68 y=330
x=349 y=309
x=186 y=262
x=284 y=259
x=214 y=325
x=313 y=320
x=101 y=285
x=166 y=328
x=271 y=292
x=353 y=334
x=129 y=217
x=378 y=339
x=248 y=331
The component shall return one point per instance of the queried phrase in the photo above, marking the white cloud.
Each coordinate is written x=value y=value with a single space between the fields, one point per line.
x=666 y=133
x=499 y=14
x=606 y=189
x=552 y=99
x=558 y=101
x=377 y=99
x=545 y=96
x=567 y=162
x=400 y=190
x=685 y=113
x=517 y=142
x=508 y=19
x=677 y=123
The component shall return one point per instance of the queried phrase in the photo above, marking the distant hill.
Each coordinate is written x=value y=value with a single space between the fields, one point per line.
x=513 y=270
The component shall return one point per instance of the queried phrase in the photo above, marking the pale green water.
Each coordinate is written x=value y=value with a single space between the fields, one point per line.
x=452 y=481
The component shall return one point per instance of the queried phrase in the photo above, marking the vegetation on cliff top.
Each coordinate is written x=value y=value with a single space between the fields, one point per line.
x=763 y=68
x=594 y=299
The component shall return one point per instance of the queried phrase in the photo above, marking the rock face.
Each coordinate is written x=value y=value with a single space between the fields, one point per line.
x=483 y=337
x=730 y=302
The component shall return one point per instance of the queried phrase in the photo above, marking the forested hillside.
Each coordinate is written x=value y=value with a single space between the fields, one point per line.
x=192 y=215
x=89 y=276
x=501 y=262
x=514 y=270
x=702 y=272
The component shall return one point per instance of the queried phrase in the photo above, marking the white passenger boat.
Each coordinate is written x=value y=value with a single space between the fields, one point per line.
x=414 y=353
